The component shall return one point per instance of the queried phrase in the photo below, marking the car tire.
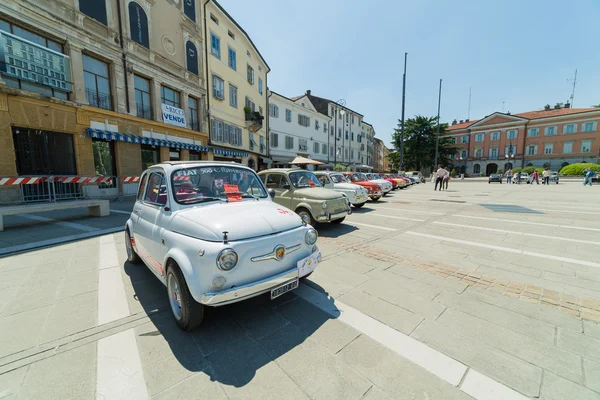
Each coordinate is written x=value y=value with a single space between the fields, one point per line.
x=191 y=312
x=306 y=216
x=375 y=198
x=132 y=256
x=306 y=276
x=338 y=221
x=359 y=205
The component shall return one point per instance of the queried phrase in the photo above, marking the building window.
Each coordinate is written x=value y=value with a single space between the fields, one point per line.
x=94 y=9
x=303 y=120
x=193 y=113
x=288 y=115
x=548 y=147
x=97 y=83
x=452 y=140
x=289 y=142
x=232 y=58
x=352 y=136
x=302 y=144
x=479 y=137
x=588 y=127
x=478 y=153
x=225 y=133
x=464 y=139
x=274 y=139
x=273 y=111
x=218 y=88
x=250 y=104
x=495 y=136
x=250 y=74
x=142 y=97
x=233 y=96
x=191 y=57
x=550 y=131
x=346 y=135
x=512 y=134
x=463 y=154
x=324 y=127
x=494 y=153
x=316 y=148
x=339 y=133
x=324 y=149
x=262 y=144
x=231 y=34
x=586 y=146
x=189 y=9
x=316 y=125
x=169 y=96
x=214 y=19
x=252 y=142
x=352 y=154
x=150 y=156
x=567 y=147
x=260 y=86
x=345 y=153
x=531 y=150
x=476 y=169
x=571 y=128
x=331 y=130
x=215 y=45
x=138 y=25
x=533 y=132
x=331 y=151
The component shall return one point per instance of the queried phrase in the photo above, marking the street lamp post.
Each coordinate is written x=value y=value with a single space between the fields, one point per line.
x=340 y=103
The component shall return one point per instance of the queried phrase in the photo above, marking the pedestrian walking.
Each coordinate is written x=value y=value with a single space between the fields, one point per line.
x=446 y=178
x=439 y=179
x=534 y=177
x=546 y=176
x=508 y=176
x=588 y=174
x=519 y=177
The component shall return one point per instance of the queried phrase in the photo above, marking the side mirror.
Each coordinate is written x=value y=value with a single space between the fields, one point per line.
x=285 y=186
x=271 y=192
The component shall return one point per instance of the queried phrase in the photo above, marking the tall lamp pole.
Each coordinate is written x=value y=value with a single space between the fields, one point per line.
x=437 y=131
x=402 y=121
x=339 y=103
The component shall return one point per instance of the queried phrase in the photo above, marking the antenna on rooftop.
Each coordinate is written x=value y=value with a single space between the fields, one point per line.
x=573 y=92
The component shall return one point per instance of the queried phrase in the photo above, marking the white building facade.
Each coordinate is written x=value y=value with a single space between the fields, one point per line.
x=296 y=128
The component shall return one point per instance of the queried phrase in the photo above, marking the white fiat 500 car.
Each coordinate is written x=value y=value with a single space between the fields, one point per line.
x=356 y=195
x=386 y=186
x=211 y=234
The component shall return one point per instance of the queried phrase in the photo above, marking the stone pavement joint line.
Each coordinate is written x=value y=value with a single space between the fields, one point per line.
x=582 y=307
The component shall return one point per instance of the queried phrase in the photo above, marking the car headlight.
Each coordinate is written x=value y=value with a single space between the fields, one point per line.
x=311 y=237
x=324 y=204
x=227 y=260
x=354 y=192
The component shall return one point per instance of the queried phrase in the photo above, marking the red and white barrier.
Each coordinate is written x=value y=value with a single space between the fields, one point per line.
x=131 y=179
x=181 y=178
x=20 y=181
x=83 y=179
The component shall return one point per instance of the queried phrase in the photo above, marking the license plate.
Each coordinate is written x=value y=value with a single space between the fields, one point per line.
x=284 y=289
x=308 y=264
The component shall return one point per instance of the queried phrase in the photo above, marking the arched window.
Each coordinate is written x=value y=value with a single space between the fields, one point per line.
x=476 y=169
x=189 y=8
x=95 y=9
x=529 y=164
x=508 y=166
x=191 y=56
x=138 y=25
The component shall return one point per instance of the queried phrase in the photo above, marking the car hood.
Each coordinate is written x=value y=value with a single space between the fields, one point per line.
x=381 y=182
x=347 y=186
x=242 y=220
x=368 y=184
x=316 y=194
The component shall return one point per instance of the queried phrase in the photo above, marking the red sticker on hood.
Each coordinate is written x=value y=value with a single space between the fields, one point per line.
x=232 y=192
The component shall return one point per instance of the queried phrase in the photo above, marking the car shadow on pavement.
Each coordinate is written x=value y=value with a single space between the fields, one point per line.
x=233 y=342
x=361 y=210
x=335 y=230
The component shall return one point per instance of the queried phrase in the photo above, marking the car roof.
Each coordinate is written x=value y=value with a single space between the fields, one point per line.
x=283 y=170
x=170 y=165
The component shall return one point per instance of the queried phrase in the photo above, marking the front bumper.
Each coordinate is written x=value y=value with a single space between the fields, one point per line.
x=330 y=217
x=250 y=290
x=359 y=199
x=375 y=194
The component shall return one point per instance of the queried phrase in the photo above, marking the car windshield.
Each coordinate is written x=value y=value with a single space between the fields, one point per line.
x=370 y=176
x=304 y=179
x=357 y=177
x=338 y=178
x=215 y=183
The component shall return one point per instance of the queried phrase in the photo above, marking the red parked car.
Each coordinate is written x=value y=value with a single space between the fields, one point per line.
x=374 y=189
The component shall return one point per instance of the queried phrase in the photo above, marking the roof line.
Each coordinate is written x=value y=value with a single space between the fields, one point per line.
x=243 y=31
x=331 y=101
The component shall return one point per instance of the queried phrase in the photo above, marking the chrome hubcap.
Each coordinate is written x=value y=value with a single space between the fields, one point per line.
x=174 y=296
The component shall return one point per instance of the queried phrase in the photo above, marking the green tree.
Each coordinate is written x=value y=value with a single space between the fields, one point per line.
x=596 y=106
x=419 y=143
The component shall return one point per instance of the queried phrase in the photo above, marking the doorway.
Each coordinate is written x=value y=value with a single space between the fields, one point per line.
x=491 y=169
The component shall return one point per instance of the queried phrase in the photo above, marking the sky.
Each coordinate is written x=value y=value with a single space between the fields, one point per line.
x=515 y=55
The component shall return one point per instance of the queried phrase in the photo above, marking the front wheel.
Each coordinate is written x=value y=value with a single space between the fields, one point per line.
x=132 y=256
x=375 y=198
x=358 y=205
x=188 y=313
x=338 y=221
x=306 y=217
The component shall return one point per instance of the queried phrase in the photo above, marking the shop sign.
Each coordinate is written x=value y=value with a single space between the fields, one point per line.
x=173 y=115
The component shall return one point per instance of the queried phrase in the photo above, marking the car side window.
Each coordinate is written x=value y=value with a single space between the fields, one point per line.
x=142 y=187
x=324 y=179
x=156 y=193
x=273 y=181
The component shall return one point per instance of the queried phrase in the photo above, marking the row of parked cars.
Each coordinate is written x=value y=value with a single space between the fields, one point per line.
x=524 y=177
x=216 y=233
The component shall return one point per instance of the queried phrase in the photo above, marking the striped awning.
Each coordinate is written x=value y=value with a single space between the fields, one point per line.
x=129 y=138
x=233 y=153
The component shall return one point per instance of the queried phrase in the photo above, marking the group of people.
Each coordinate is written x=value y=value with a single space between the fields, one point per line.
x=534 y=177
x=442 y=177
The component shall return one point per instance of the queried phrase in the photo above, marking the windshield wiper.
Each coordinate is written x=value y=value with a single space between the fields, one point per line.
x=245 y=194
x=203 y=198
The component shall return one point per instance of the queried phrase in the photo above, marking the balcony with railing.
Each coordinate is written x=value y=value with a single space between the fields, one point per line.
x=98 y=99
x=254 y=121
x=144 y=111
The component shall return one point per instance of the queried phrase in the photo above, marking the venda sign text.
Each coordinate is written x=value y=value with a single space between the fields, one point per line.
x=173 y=115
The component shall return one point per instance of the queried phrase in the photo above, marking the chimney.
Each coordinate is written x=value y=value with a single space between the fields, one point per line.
x=454 y=122
x=557 y=106
x=308 y=92
x=547 y=107
x=508 y=113
x=461 y=121
x=466 y=120
x=567 y=105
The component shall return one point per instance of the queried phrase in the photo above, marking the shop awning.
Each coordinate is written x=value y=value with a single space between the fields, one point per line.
x=129 y=138
x=233 y=153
